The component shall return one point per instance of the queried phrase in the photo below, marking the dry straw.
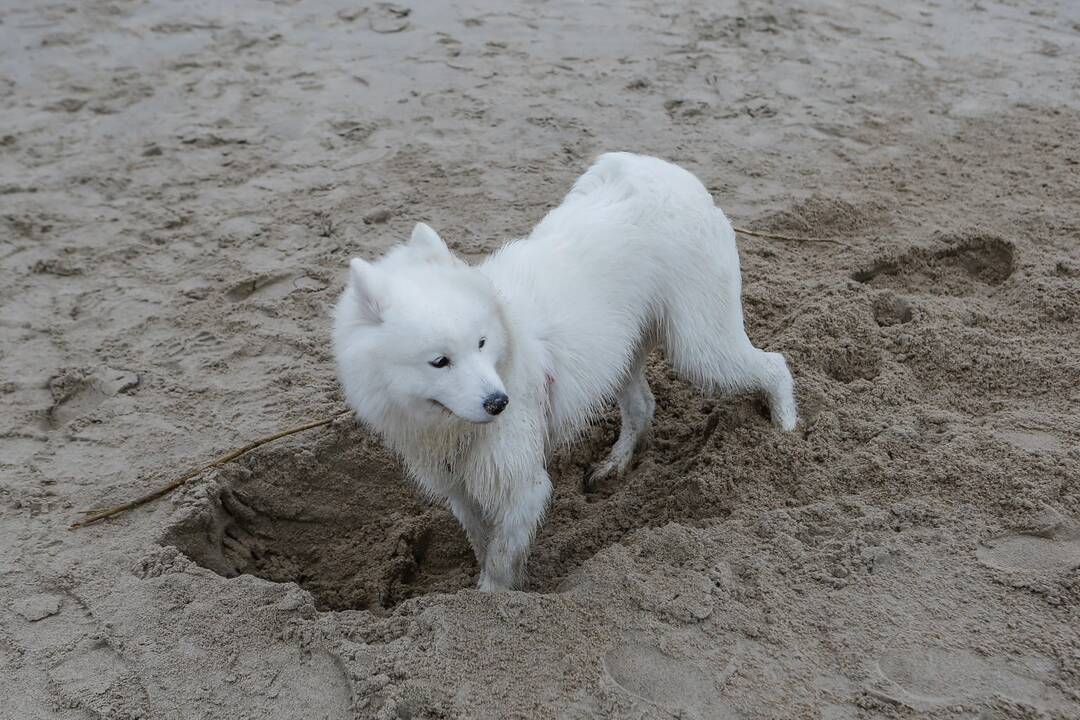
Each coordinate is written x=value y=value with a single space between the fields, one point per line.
x=96 y=515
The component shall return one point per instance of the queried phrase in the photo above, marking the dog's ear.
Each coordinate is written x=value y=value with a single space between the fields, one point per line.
x=428 y=244
x=366 y=288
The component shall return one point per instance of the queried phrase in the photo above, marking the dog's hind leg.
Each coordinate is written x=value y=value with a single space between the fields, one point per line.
x=471 y=516
x=707 y=345
x=636 y=409
x=768 y=372
x=746 y=368
x=504 y=566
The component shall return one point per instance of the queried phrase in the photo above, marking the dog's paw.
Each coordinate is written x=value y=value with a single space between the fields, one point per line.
x=589 y=478
x=489 y=583
x=784 y=418
x=785 y=421
x=597 y=474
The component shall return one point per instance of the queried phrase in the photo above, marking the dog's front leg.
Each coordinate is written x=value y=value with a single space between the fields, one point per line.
x=504 y=565
x=471 y=516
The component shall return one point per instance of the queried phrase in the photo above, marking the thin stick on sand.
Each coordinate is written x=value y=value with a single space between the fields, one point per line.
x=96 y=515
x=787 y=238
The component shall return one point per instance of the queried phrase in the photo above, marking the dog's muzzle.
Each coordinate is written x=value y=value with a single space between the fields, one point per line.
x=495 y=403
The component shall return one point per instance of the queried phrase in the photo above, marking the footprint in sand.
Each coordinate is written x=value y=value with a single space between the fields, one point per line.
x=1050 y=552
x=962 y=267
x=932 y=677
x=271 y=287
x=77 y=393
x=1034 y=441
x=96 y=679
x=61 y=639
x=645 y=672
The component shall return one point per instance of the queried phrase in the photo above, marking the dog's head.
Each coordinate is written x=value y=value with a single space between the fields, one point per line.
x=421 y=332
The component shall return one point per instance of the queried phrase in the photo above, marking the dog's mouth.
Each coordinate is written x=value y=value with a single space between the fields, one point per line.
x=451 y=413
x=439 y=405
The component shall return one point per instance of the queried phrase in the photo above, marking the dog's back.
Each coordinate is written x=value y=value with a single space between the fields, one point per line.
x=643 y=175
x=637 y=253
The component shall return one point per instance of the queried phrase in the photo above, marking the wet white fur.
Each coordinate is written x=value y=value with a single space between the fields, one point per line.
x=635 y=257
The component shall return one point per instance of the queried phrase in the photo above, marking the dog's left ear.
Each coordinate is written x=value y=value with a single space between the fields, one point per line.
x=367 y=290
x=428 y=244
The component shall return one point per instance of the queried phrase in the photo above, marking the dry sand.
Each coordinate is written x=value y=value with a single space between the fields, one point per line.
x=178 y=188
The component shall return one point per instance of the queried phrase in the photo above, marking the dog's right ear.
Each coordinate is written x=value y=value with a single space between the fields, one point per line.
x=424 y=237
x=429 y=246
x=366 y=288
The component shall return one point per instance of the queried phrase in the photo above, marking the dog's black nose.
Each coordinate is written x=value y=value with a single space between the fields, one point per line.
x=495 y=403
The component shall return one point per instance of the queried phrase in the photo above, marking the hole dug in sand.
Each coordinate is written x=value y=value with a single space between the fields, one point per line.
x=333 y=512
x=335 y=516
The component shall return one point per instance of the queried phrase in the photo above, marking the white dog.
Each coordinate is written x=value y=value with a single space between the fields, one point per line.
x=473 y=373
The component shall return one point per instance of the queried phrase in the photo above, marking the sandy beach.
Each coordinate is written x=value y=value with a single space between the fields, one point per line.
x=182 y=185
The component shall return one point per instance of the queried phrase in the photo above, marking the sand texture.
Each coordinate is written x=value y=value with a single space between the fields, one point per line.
x=182 y=184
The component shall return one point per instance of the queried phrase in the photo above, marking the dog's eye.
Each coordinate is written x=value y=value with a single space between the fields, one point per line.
x=440 y=362
x=481 y=344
